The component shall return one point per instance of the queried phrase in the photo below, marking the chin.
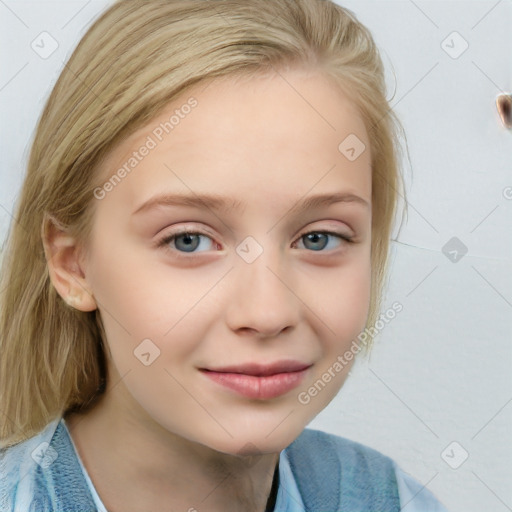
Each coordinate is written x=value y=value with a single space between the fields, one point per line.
x=255 y=441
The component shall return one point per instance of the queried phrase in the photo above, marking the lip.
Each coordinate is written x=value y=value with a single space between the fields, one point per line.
x=259 y=381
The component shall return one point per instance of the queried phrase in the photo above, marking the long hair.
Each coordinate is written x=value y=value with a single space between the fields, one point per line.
x=136 y=58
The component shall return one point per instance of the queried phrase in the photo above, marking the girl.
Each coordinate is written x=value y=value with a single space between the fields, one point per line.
x=203 y=235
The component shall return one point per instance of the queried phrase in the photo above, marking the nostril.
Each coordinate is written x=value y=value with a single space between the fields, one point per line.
x=504 y=106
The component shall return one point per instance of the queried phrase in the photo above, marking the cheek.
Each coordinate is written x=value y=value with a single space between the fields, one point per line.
x=144 y=296
x=139 y=301
x=344 y=311
x=345 y=305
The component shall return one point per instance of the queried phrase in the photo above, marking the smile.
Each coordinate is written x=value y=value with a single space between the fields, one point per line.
x=260 y=382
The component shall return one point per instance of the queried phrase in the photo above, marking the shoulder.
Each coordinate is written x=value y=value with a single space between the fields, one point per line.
x=351 y=455
x=414 y=496
x=334 y=473
x=42 y=474
x=19 y=465
x=354 y=475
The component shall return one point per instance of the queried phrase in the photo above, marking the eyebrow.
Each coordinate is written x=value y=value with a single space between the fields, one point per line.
x=220 y=203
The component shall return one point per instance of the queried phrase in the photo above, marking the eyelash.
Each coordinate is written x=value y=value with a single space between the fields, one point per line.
x=164 y=242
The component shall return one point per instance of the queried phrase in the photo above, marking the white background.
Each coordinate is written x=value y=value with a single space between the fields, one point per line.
x=441 y=371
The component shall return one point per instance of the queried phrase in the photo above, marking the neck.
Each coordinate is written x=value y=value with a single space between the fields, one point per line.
x=165 y=471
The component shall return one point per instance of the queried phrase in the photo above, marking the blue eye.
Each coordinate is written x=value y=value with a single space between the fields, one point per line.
x=185 y=241
x=319 y=240
x=188 y=241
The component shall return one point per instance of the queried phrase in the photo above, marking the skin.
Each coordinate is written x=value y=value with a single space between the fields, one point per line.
x=164 y=436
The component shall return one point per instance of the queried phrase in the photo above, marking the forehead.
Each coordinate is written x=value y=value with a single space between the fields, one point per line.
x=279 y=135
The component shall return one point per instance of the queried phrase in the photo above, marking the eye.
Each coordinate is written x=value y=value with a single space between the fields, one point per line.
x=188 y=241
x=185 y=241
x=319 y=240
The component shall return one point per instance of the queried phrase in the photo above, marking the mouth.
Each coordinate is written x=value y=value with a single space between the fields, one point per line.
x=258 y=381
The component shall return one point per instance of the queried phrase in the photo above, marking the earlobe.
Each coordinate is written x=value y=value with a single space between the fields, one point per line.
x=63 y=259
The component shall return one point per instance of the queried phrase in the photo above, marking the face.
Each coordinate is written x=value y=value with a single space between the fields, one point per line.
x=225 y=316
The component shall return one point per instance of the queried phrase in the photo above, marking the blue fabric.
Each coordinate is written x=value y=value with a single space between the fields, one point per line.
x=318 y=472
x=43 y=474
x=362 y=478
x=288 y=495
x=415 y=497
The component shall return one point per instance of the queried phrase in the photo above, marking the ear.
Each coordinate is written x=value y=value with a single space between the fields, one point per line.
x=64 y=265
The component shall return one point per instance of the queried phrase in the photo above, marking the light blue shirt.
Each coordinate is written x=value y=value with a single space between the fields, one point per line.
x=413 y=496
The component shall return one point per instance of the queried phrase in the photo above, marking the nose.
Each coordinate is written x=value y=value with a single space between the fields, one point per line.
x=262 y=301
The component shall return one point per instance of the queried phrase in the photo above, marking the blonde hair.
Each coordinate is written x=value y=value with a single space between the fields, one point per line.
x=136 y=58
